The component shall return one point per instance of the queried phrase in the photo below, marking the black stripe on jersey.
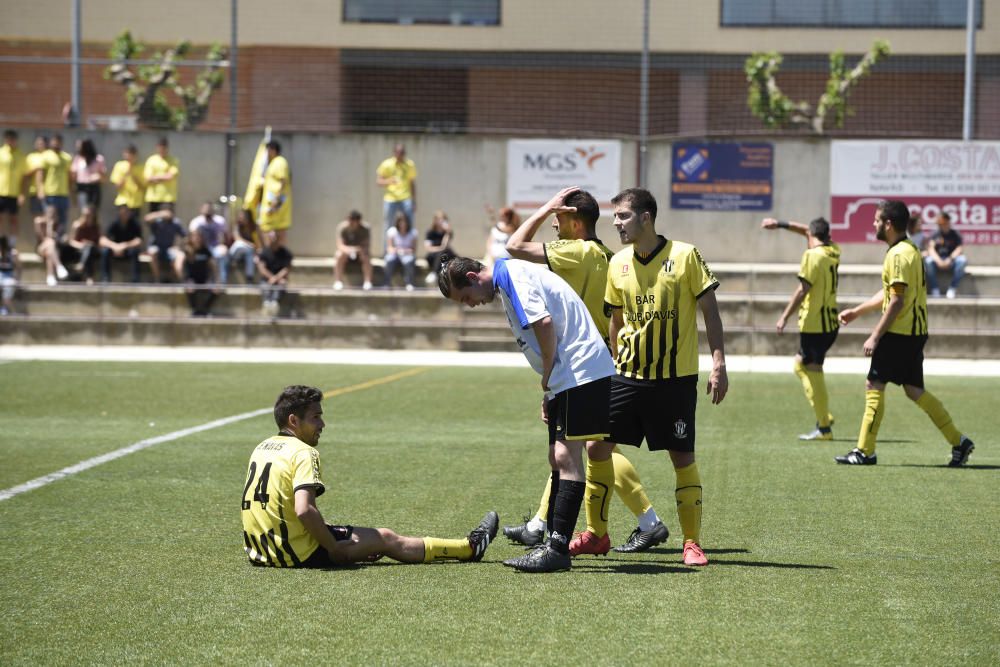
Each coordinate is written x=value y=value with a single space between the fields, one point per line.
x=283 y=527
x=650 y=336
x=277 y=550
x=263 y=553
x=663 y=345
x=705 y=291
x=250 y=550
x=675 y=333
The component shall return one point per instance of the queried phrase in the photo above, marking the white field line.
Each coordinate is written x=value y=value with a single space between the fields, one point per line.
x=44 y=480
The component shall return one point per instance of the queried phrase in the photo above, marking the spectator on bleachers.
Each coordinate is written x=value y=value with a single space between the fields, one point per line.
x=10 y=275
x=87 y=171
x=161 y=173
x=127 y=177
x=944 y=253
x=165 y=233
x=402 y=250
x=436 y=242
x=35 y=161
x=214 y=232
x=354 y=241
x=398 y=175
x=54 y=187
x=80 y=249
x=13 y=181
x=915 y=232
x=501 y=227
x=199 y=270
x=275 y=265
x=122 y=242
x=246 y=244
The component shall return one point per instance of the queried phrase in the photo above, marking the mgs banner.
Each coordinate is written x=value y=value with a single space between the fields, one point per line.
x=722 y=177
x=960 y=178
x=539 y=168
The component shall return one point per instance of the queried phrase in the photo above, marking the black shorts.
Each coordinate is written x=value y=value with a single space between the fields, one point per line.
x=321 y=557
x=813 y=346
x=580 y=413
x=898 y=359
x=8 y=205
x=660 y=412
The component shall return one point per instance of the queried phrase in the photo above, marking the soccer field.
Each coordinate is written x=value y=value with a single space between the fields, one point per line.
x=140 y=560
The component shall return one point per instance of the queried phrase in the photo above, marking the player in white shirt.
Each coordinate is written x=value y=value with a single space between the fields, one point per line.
x=561 y=343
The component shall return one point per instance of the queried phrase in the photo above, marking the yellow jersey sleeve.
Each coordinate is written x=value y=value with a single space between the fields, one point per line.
x=563 y=256
x=809 y=268
x=699 y=277
x=613 y=295
x=306 y=470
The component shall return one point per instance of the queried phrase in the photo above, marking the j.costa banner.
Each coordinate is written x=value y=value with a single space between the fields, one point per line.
x=960 y=178
x=539 y=168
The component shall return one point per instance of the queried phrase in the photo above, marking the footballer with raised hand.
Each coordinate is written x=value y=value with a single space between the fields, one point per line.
x=581 y=259
x=655 y=288
x=816 y=300
x=896 y=344
x=282 y=527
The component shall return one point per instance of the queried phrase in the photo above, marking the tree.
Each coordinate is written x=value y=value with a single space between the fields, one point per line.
x=145 y=88
x=777 y=110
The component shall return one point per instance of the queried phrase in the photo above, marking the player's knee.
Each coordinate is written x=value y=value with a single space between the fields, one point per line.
x=912 y=393
x=387 y=537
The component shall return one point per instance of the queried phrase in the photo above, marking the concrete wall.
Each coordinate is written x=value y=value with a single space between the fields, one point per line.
x=334 y=173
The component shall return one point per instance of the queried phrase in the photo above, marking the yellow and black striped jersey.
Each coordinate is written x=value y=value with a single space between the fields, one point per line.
x=818 y=312
x=584 y=265
x=904 y=265
x=272 y=532
x=659 y=301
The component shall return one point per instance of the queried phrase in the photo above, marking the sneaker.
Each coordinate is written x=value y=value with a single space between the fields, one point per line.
x=935 y=292
x=524 y=535
x=589 y=543
x=431 y=278
x=366 y=286
x=482 y=535
x=4 y=311
x=693 y=555
x=643 y=540
x=960 y=454
x=51 y=281
x=338 y=285
x=856 y=457
x=819 y=433
x=409 y=288
x=61 y=272
x=950 y=293
x=542 y=558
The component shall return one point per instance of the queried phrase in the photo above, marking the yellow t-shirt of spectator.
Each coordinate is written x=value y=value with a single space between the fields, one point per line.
x=56 y=173
x=12 y=170
x=160 y=166
x=131 y=186
x=403 y=174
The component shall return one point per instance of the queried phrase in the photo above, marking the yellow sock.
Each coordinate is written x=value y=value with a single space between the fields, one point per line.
x=872 y=419
x=929 y=403
x=800 y=370
x=436 y=548
x=543 y=506
x=600 y=479
x=820 y=399
x=688 y=496
x=627 y=484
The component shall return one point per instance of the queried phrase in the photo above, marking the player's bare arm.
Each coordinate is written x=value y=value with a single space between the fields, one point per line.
x=888 y=317
x=615 y=325
x=718 y=379
x=790 y=225
x=312 y=519
x=848 y=315
x=793 y=304
x=546 y=335
x=520 y=244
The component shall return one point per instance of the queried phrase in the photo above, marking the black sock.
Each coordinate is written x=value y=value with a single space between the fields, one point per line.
x=553 y=492
x=567 y=510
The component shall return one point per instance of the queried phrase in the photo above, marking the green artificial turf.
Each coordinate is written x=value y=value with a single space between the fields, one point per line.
x=140 y=560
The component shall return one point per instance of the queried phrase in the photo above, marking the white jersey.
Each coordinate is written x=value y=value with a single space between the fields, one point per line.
x=530 y=292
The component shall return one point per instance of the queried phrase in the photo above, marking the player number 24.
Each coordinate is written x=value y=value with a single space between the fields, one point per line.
x=260 y=494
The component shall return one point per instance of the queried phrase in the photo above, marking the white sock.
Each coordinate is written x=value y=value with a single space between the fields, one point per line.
x=648 y=519
x=536 y=524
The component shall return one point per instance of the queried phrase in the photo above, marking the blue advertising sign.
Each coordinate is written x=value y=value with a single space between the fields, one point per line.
x=722 y=177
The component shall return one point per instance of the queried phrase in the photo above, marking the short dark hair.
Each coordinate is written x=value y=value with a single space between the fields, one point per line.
x=294 y=400
x=639 y=200
x=132 y=149
x=274 y=145
x=896 y=212
x=944 y=215
x=162 y=141
x=820 y=228
x=453 y=272
x=354 y=215
x=9 y=134
x=587 y=209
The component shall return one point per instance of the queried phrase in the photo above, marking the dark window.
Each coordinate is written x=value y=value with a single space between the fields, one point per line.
x=409 y=12
x=849 y=13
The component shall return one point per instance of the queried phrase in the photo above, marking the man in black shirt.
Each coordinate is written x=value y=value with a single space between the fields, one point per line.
x=944 y=252
x=274 y=264
x=122 y=241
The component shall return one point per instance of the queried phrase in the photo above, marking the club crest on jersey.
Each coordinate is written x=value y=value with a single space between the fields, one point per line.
x=668 y=266
x=680 y=429
x=624 y=269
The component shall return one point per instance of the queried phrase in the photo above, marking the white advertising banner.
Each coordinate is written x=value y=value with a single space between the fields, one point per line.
x=960 y=178
x=539 y=168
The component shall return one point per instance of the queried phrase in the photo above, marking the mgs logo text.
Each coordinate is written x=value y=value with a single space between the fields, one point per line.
x=557 y=162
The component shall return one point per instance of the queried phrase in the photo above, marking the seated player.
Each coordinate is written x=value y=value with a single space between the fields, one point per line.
x=282 y=527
